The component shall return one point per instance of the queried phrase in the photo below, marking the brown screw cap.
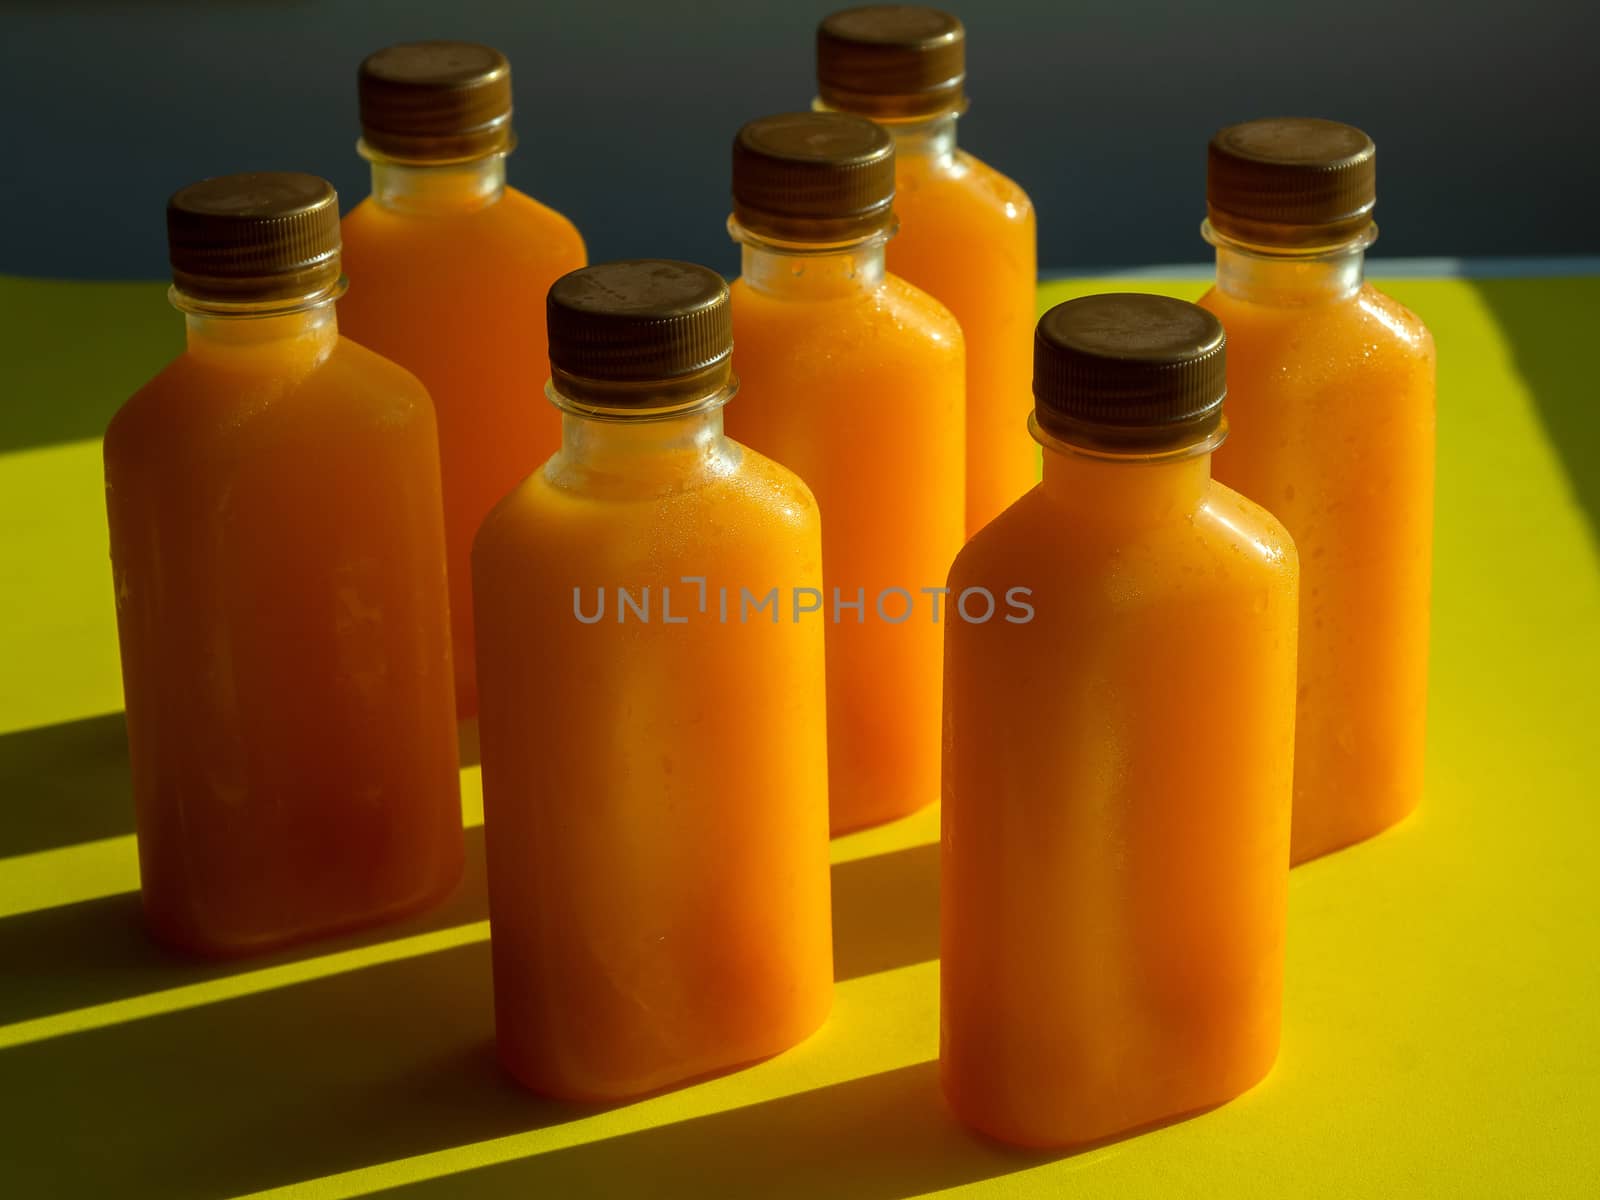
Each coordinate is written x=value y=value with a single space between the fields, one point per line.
x=270 y=235
x=892 y=60
x=1293 y=182
x=623 y=335
x=1129 y=373
x=813 y=177
x=435 y=102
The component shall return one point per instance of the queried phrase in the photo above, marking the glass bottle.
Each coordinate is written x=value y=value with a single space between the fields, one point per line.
x=1331 y=399
x=449 y=268
x=653 y=728
x=966 y=233
x=856 y=382
x=1118 y=752
x=278 y=557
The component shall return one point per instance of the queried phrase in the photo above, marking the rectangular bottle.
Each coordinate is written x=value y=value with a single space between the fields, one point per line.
x=966 y=233
x=1331 y=399
x=278 y=554
x=856 y=382
x=653 y=727
x=1118 y=756
x=448 y=272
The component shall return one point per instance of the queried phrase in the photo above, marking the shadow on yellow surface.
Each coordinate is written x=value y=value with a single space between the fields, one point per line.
x=96 y=952
x=64 y=784
x=322 y=1076
x=892 y=1129
x=1548 y=325
x=88 y=350
x=69 y=783
x=467 y=742
x=368 y=1065
x=394 y=1061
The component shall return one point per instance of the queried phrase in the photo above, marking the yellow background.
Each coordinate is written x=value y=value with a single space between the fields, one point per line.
x=1440 y=1034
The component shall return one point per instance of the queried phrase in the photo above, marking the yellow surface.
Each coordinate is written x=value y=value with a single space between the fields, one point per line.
x=1440 y=1035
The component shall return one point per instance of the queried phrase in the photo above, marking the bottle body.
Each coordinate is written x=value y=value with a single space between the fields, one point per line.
x=968 y=237
x=1331 y=399
x=655 y=777
x=855 y=381
x=448 y=272
x=278 y=555
x=1113 y=901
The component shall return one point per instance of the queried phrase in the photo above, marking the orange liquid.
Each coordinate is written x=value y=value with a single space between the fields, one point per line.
x=859 y=390
x=278 y=555
x=1331 y=408
x=1116 y=805
x=967 y=237
x=456 y=295
x=655 y=794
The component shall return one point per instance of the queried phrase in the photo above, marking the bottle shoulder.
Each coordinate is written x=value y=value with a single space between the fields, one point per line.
x=967 y=191
x=556 y=227
x=1247 y=534
x=515 y=224
x=1387 y=316
x=359 y=220
x=920 y=313
x=159 y=402
x=998 y=189
x=895 y=309
x=745 y=496
x=1224 y=541
x=1350 y=343
x=1367 y=315
x=368 y=374
x=195 y=399
x=355 y=223
x=734 y=479
x=1018 y=535
x=765 y=483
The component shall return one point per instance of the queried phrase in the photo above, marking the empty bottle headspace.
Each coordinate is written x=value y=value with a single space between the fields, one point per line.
x=1291 y=181
x=267 y=235
x=892 y=61
x=435 y=102
x=1129 y=373
x=813 y=177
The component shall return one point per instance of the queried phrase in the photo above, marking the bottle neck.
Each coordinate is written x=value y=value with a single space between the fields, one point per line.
x=275 y=338
x=1261 y=277
x=814 y=274
x=428 y=189
x=1124 y=492
x=928 y=143
x=636 y=458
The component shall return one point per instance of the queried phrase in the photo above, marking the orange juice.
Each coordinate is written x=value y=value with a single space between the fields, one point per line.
x=1118 y=758
x=653 y=728
x=278 y=554
x=966 y=234
x=855 y=382
x=448 y=271
x=1331 y=397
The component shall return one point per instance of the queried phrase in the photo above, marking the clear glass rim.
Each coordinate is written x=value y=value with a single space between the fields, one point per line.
x=1134 y=458
x=379 y=158
x=246 y=310
x=901 y=123
x=633 y=414
x=758 y=241
x=1333 y=250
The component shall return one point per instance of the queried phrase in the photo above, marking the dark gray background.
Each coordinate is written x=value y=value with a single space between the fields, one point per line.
x=1486 y=114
